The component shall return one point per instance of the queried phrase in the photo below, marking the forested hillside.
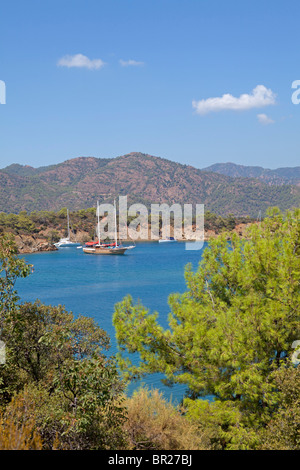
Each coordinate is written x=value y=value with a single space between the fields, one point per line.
x=78 y=183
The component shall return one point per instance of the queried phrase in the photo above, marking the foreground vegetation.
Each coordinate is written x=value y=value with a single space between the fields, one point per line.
x=231 y=335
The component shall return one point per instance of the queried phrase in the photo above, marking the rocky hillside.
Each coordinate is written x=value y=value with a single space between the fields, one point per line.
x=78 y=183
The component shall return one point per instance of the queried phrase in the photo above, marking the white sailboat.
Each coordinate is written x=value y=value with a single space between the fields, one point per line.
x=66 y=242
x=98 y=248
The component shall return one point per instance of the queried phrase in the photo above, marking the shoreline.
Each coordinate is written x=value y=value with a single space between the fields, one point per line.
x=28 y=244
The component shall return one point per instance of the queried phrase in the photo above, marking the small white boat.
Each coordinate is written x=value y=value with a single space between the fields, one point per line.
x=66 y=242
x=167 y=240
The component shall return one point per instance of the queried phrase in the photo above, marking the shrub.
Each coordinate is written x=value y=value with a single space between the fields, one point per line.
x=154 y=423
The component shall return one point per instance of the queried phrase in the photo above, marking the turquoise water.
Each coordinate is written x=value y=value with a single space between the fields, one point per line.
x=91 y=285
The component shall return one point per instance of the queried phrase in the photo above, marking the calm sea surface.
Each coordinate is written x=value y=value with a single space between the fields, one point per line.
x=91 y=285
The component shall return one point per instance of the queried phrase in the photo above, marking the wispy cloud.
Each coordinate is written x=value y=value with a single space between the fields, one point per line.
x=80 y=61
x=258 y=98
x=130 y=63
x=264 y=119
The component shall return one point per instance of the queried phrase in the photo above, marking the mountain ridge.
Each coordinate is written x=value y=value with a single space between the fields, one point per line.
x=77 y=183
x=278 y=176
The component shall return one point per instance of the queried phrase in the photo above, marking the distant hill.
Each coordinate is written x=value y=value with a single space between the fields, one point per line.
x=280 y=176
x=79 y=182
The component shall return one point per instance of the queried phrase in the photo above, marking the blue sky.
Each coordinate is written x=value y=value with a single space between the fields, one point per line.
x=145 y=74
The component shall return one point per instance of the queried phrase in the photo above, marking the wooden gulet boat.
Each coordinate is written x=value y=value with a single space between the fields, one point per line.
x=101 y=249
x=98 y=248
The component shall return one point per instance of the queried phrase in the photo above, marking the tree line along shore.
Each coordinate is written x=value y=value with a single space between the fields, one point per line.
x=39 y=230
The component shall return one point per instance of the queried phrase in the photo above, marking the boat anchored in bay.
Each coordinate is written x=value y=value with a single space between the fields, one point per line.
x=67 y=242
x=98 y=248
x=167 y=240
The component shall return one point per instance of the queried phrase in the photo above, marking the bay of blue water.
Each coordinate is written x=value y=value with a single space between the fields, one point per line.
x=92 y=285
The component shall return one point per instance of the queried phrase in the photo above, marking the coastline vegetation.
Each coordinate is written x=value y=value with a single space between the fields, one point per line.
x=230 y=335
x=50 y=226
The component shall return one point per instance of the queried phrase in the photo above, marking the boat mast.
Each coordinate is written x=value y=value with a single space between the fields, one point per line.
x=68 y=224
x=98 y=228
x=116 y=239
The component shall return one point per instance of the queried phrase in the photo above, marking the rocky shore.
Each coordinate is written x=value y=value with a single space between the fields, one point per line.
x=32 y=244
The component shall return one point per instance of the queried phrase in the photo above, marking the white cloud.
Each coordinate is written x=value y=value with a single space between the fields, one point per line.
x=81 y=61
x=264 y=119
x=130 y=62
x=258 y=98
